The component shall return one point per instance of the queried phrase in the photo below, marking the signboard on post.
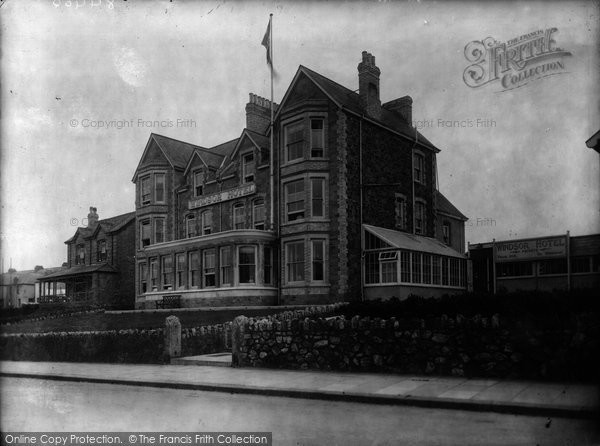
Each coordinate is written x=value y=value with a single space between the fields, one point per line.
x=223 y=196
x=539 y=248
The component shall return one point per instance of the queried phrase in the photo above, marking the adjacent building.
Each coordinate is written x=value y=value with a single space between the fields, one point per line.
x=542 y=263
x=18 y=288
x=100 y=265
x=346 y=207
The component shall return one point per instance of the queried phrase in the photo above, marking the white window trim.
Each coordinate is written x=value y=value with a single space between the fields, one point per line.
x=322 y=118
x=285 y=199
x=194 y=176
x=325 y=259
x=325 y=179
x=243 y=163
x=237 y=265
x=298 y=120
x=164 y=175
x=286 y=243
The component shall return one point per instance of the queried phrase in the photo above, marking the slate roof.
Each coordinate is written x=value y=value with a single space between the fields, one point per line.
x=444 y=205
x=81 y=269
x=351 y=100
x=111 y=224
x=177 y=152
x=27 y=277
x=412 y=242
x=262 y=140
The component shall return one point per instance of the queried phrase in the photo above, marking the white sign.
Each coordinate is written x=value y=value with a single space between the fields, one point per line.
x=531 y=249
x=223 y=196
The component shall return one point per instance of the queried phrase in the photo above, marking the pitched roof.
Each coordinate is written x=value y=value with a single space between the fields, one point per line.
x=28 y=277
x=177 y=152
x=79 y=270
x=412 y=242
x=350 y=100
x=444 y=206
x=111 y=224
x=259 y=139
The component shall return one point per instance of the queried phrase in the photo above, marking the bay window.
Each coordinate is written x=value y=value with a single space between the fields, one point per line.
x=247 y=264
x=294 y=200
x=294 y=259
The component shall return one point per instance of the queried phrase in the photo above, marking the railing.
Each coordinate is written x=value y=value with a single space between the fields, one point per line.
x=82 y=296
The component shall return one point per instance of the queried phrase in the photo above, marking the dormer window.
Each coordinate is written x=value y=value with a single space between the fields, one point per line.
x=248 y=168
x=80 y=258
x=198 y=183
x=317 y=138
x=101 y=248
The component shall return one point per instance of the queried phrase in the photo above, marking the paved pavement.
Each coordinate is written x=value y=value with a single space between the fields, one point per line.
x=516 y=397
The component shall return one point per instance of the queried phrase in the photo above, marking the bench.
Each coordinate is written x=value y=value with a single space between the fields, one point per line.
x=170 y=301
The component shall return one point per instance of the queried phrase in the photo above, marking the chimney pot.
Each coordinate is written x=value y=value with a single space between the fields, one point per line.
x=368 y=85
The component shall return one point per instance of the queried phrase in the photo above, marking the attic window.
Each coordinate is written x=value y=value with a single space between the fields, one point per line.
x=198 y=183
x=248 y=168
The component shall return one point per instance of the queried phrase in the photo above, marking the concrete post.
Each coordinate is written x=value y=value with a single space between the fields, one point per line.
x=238 y=330
x=172 y=338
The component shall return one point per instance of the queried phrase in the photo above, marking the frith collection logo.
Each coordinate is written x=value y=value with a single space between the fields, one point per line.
x=516 y=62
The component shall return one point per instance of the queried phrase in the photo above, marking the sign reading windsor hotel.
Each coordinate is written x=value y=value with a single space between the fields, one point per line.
x=223 y=196
x=550 y=247
x=514 y=63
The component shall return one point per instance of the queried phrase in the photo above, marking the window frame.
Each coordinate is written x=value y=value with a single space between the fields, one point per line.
x=143 y=271
x=301 y=213
x=206 y=226
x=236 y=207
x=447 y=232
x=153 y=269
x=190 y=219
x=289 y=263
x=166 y=272
x=164 y=187
x=419 y=167
x=322 y=260
x=287 y=146
x=101 y=251
x=259 y=224
x=311 y=133
x=400 y=211
x=194 y=275
x=225 y=268
x=248 y=177
x=240 y=265
x=180 y=273
x=420 y=229
x=162 y=234
x=209 y=271
x=146 y=180
x=313 y=200
x=195 y=175
x=79 y=250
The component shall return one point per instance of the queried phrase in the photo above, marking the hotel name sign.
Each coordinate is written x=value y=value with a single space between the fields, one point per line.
x=531 y=249
x=226 y=195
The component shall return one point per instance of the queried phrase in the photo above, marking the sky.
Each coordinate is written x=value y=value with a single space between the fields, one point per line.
x=84 y=83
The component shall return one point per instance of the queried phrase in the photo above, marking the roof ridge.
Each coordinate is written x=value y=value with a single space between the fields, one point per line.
x=178 y=140
x=330 y=80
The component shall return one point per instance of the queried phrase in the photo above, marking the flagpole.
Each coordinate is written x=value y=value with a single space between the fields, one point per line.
x=272 y=129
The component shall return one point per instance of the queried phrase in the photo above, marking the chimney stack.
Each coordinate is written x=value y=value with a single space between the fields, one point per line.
x=402 y=106
x=368 y=85
x=258 y=114
x=92 y=217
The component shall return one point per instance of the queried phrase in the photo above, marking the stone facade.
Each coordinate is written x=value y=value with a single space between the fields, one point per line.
x=341 y=160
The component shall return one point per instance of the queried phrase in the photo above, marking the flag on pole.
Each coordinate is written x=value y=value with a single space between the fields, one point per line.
x=266 y=42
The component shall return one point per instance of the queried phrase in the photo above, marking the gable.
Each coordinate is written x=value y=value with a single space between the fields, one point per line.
x=153 y=156
x=302 y=90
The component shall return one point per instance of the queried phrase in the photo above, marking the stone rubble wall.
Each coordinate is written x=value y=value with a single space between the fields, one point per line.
x=138 y=346
x=474 y=347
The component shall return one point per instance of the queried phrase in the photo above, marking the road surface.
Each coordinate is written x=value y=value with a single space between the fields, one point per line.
x=45 y=405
